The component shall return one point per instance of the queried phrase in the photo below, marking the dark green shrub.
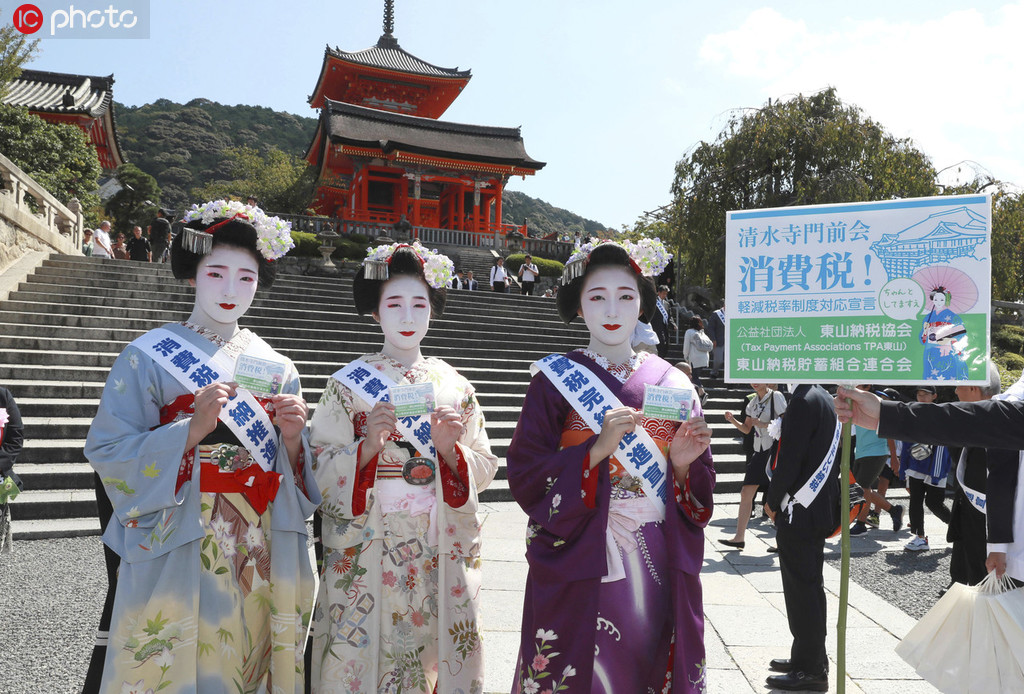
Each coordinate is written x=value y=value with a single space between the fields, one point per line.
x=1009 y=338
x=548 y=268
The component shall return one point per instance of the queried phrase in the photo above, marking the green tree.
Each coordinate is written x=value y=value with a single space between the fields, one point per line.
x=57 y=155
x=803 y=151
x=16 y=49
x=137 y=200
x=281 y=182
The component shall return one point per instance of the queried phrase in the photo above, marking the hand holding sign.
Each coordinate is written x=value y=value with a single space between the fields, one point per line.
x=208 y=403
x=617 y=423
x=446 y=427
x=691 y=439
x=380 y=423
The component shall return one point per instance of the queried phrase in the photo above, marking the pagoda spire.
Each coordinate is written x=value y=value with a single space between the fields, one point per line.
x=387 y=39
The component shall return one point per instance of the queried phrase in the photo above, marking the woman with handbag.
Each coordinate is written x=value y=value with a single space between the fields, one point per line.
x=766 y=405
x=696 y=348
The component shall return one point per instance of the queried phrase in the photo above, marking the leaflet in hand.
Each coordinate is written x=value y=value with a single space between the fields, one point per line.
x=413 y=400
x=259 y=376
x=663 y=402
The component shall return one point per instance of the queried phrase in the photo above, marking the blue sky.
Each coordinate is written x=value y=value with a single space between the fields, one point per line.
x=609 y=94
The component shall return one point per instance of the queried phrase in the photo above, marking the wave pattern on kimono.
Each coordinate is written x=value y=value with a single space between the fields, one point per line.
x=213 y=595
x=400 y=584
x=645 y=632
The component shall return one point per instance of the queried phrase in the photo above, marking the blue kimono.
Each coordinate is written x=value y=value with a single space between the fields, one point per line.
x=944 y=357
x=215 y=589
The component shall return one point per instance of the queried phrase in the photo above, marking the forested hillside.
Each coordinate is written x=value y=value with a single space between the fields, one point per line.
x=183 y=147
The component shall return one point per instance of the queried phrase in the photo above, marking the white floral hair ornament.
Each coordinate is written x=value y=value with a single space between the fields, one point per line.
x=438 y=269
x=649 y=257
x=273 y=235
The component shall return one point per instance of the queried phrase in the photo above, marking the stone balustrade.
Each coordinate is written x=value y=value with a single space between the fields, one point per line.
x=31 y=218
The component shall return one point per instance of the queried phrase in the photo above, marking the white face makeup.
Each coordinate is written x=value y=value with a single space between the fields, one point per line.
x=610 y=306
x=225 y=283
x=403 y=314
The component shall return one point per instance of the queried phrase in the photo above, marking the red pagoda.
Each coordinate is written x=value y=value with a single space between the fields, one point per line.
x=382 y=153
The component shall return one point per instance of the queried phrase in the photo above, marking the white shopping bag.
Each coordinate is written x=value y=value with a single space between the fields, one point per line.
x=972 y=640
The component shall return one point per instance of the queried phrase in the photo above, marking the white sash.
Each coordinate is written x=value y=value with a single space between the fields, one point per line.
x=812 y=487
x=373 y=386
x=591 y=398
x=664 y=312
x=976 y=498
x=242 y=414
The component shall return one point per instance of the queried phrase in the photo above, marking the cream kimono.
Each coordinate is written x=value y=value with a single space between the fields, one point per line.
x=400 y=585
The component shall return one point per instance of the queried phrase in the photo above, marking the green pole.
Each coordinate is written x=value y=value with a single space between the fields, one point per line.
x=844 y=566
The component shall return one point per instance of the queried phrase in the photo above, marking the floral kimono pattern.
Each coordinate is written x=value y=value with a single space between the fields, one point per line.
x=400 y=583
x=586 y=627
x=215 y=590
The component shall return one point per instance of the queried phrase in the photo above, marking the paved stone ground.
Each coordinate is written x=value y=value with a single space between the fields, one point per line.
x=51 y=591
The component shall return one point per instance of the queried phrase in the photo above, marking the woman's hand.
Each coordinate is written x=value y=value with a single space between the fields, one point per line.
x=208 y=402
x=380 y=424
x=290 y=414
x=617 y=423
x=691 y=439
x=446 y=428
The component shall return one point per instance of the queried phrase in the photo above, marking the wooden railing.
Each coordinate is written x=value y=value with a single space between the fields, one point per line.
x=497 y=236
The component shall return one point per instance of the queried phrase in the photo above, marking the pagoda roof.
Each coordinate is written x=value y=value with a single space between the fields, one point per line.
x=387 y=132
x=388 y=55
x=58 y=92
x=86 y=100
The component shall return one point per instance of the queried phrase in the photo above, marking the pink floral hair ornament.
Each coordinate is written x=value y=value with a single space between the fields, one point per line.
x=438 y=269
x=648 y=257
x=273 y=235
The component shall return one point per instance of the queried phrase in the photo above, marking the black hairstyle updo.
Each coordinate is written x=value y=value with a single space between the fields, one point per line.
x=404 y=261
x=607 y=254
x=238 y=233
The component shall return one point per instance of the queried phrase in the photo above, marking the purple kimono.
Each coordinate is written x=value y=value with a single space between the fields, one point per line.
x=645 y=632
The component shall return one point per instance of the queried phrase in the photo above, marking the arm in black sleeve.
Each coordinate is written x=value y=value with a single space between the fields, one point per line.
x=1001 y=492
x=985 y=424
x=12 y=436
x=793 y=443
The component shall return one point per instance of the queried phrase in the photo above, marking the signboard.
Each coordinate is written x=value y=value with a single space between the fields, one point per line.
x=895 y=292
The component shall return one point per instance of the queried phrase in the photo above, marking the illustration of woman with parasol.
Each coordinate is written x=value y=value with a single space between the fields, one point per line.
x=943 y=334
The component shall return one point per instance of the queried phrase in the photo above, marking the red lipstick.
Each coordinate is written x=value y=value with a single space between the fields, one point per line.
x=226 y=307
x=407 y=333
x=609 y=326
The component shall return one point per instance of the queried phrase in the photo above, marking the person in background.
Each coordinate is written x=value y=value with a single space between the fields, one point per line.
x=969 y=526
x=138 y=247
x=101 y=241
x=471 y=283
x=870 y=455
x=119 y=248
x=925 y=467
x=766 y=405
x=87 y=243
x=661 y=321
x=891 y=472
x=528 y=274
x=499 y=276
x=644 y=338
x=159 y=235
x=716 y=331
x=11 y=442
x=696 y=346
x=458 y=282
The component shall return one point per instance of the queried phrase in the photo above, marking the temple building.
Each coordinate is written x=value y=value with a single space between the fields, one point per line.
x=81 y=100
x=382 y=153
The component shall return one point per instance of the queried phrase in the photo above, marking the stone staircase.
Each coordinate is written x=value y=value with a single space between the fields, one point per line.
x=63 y=327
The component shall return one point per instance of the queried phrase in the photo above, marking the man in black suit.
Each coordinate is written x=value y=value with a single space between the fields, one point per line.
x=807 y=451
x=661 y=322
x=469 y=282
x=458 y=282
